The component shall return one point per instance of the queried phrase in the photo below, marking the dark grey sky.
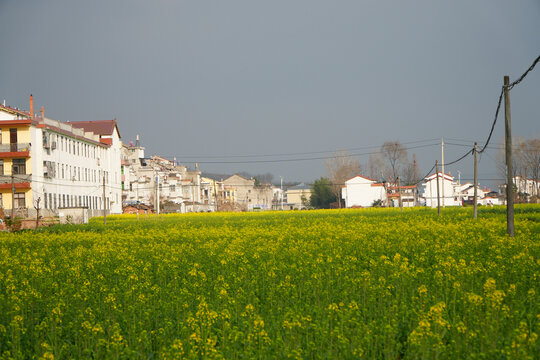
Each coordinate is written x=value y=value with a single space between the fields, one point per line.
x=219 y=78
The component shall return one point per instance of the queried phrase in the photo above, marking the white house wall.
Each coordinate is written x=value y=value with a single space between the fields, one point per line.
x=76 y=178
x=360 y=192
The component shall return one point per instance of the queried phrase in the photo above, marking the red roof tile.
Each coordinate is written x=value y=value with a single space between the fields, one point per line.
x=14 y=111
x=99 y=127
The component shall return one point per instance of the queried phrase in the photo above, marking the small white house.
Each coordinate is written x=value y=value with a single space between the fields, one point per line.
x=446 y=187
x=490 y=200
x=362 y=191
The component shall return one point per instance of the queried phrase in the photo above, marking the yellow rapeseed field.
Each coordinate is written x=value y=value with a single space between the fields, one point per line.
x=339 y=284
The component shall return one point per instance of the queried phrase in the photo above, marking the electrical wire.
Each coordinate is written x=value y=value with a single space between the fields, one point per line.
x=302 y=159
x=508 y=87
x=296 y=154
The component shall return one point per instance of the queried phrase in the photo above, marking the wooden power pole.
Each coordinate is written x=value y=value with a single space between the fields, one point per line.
x=442 y=165
x=104 y=202
x=12 y=194
x=399 y=192
x=438 y=197
x=509 y=177
x=475 y=182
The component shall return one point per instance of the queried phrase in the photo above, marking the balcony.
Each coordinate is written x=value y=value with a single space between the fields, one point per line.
x=15 y=150
x=21 y=181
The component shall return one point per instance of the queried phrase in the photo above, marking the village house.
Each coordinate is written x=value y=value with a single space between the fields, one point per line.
x=247 y=195
x=146 y=179
x=526 y=189
x=298 y=197
x=60 y=164
x=361 y=191
x=407 y=193
x=447 y=186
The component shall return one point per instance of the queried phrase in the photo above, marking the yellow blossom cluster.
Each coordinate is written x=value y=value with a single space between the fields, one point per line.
x=340 y=284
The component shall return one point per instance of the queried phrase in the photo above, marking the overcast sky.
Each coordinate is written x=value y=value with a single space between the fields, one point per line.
x=199 y=79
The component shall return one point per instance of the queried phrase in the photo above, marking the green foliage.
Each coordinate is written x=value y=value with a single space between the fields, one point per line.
x=377 y=203
x=321 y=194
x=13 y=225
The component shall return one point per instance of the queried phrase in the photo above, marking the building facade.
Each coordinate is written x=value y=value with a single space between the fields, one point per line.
x=361 y=191
x=58 y=164
x=159 y=183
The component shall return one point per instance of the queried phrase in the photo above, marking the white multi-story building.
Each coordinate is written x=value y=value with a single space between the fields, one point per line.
x=146 y=179
x=61 y=164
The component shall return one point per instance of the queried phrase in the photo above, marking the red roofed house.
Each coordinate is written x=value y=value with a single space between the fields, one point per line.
x=407 y=193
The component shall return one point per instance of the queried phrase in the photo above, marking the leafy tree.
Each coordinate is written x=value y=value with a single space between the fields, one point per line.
x=321 y=194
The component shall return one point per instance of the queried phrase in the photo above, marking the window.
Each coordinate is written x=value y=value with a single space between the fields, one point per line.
x=20 y=200
x=172 y=188
x=1 y=206
x=19 y=166
x=46 y=199
x=1 y=167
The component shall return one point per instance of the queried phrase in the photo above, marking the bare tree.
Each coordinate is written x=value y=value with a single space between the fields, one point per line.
x=411 y=172
x=530 y=156
x=525 y=164
x=395 y=155
x=341 y=167
x=376 y=167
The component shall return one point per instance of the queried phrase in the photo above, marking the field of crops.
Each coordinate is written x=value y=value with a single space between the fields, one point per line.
x=371 y=283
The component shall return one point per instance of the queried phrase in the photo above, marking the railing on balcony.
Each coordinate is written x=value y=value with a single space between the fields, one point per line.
x=15 y=147
x=17 y=178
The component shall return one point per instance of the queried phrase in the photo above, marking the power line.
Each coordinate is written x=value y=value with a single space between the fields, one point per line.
x=302 y=159
x=494 y=121
x=295 y=154
x=460 y=158
x=510 y=87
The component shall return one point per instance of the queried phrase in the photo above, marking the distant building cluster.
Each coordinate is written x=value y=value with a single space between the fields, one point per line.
x=361 y=191
x=71 y=170
x=80 y=169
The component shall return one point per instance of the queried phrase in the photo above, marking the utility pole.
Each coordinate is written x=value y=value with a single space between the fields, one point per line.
x=475 y=181
x=104 y=202
x=12 y=193
x=438 y=197
x=509 y=177
x=157 y=195
x=281 y=193
x=138 y=203
x=459 y=187
x=442 y=165
x=399 y=192
x=216 y=200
